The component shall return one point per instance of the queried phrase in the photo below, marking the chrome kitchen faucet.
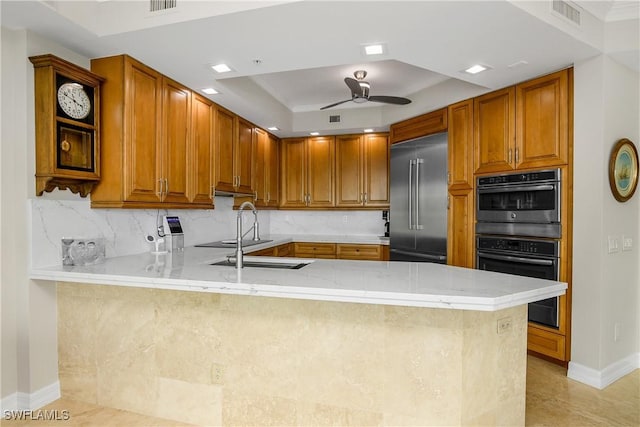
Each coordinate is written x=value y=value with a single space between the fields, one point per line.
x=256 y=231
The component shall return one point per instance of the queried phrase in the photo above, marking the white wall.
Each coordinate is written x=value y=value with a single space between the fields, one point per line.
x=12 y=45
x=29 y=346
x=606 y=287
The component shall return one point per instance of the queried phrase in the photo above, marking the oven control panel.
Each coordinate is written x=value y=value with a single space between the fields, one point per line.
x=527 y=177
x=515 y=245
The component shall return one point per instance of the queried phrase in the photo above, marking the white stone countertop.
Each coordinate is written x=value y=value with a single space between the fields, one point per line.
x=372 y=282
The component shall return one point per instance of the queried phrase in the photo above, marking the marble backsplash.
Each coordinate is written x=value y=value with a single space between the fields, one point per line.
x=327 y=222
x=124 y=230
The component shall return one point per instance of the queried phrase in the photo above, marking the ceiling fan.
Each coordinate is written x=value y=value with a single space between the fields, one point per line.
x=360 y=92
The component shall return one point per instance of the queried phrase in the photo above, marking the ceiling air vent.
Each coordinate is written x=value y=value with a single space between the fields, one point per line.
x=567 y=10
x=158 y=5
x=334 y=119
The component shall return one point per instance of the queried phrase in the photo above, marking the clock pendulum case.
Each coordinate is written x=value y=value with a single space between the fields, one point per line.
x=67 y=120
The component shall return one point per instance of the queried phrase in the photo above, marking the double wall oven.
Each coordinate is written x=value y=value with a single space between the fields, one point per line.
x=518 y=230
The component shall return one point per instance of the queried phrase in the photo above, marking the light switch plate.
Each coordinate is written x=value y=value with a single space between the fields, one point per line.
x=627 y=243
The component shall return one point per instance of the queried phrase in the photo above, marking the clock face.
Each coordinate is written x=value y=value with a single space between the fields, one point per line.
x=74 y=101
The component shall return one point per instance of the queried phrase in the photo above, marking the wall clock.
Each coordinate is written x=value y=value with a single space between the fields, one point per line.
x=67 y=116
x=623 y=170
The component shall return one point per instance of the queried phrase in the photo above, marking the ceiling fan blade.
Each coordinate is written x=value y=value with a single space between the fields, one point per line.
x=337 y=103
x=355 y=87
x=390 y=100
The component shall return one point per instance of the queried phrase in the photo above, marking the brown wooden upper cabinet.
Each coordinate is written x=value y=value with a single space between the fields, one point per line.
x=203 y=171
x=147 y=138
x=362 y=171
x=523 y=126
x=234 y=153
x=176 y=120
x=265 y=169
x=307 y=172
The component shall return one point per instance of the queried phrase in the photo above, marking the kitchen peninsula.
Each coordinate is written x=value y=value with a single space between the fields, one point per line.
x=335 y=342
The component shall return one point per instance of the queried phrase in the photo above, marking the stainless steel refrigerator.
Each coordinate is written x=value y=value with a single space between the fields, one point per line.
x=418 y=213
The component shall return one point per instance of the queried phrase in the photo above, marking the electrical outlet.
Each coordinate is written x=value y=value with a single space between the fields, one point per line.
x=614 y=244
x=217 y=374
x=345 y=218
x=504 y=325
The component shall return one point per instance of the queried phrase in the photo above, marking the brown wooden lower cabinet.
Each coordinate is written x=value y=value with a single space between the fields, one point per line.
x=280 y=250
x=359 y=252
x=328 y=251
x=284 y=250
x=545 y=342
x=314 y=250
x=265 y=252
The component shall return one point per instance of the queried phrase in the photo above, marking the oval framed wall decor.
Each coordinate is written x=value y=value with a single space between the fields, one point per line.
x=623 y=170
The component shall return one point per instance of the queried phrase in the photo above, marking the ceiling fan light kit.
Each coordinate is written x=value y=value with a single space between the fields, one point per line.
x=360 y=92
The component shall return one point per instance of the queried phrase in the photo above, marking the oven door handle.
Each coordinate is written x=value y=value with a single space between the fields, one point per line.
x=514 y=188
x=532 y=261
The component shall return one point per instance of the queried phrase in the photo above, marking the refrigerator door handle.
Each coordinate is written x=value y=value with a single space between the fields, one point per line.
x=418 y=226
x=420 y=255
x=411 y=163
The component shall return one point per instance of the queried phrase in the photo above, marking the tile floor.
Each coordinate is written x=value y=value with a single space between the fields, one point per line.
x=555 y=400
x=552 y=400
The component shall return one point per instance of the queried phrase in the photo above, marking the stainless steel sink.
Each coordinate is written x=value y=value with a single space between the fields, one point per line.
x=286 y=265
x=231 y=243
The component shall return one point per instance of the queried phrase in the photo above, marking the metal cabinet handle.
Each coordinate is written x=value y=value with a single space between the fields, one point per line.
x=509 y=156
x=417 y=202
x=531 y=261
x=166 y=186
x=159 y=192
x=411 y=163
x=366 y=199
x=517 y=155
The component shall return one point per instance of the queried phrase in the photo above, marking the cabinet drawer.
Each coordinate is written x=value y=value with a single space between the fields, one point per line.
x=317 y=250
x=362 y=252
x=547 y=343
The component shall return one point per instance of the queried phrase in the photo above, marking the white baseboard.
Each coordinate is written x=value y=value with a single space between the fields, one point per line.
x=21 y=401
x=9 y=403
x=610 y=374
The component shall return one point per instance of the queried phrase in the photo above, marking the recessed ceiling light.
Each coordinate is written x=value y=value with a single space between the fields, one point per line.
x=517 y=64
x=221 y=68
x=368 y=130
x=314 y=133
x=374 y=49
x=475 y=69
x=210 y=91
x=273 y=128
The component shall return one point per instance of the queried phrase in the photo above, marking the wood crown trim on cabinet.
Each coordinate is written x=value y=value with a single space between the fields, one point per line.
x=423 y=125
